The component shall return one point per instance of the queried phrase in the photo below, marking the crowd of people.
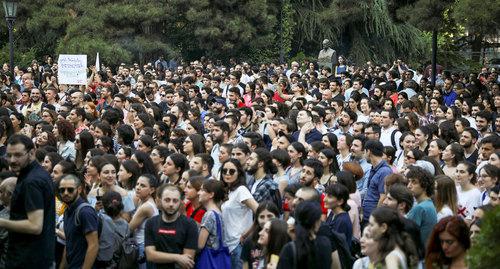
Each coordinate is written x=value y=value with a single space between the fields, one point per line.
x=201 y=165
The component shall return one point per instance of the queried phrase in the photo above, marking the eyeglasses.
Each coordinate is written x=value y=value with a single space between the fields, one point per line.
x=69 y=190
x=409 y=157
x=230 y=170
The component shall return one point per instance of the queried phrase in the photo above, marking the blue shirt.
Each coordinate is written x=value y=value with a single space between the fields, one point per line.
x=375 y=186
x=341 y=223
x=362 y=184
x=313 y=135
x=425 y=216
x=449 y=98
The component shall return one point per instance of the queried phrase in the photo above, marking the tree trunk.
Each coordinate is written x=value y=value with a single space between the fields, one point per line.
x=434 y=57
x=476 y=46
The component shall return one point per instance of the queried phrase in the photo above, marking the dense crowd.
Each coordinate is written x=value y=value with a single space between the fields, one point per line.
x=204 y=165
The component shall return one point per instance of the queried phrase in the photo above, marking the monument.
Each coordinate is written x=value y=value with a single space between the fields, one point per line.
x=327 y=56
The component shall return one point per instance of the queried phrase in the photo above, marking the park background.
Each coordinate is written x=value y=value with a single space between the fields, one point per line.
x=257 y=30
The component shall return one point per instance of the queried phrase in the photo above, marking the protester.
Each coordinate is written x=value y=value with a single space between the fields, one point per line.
x=145 y=190
x=365 y=137
x=170 y=238
x=307 y=249
x=421 y=185
x=448 y=244
x=31 y=224
x=80 y=225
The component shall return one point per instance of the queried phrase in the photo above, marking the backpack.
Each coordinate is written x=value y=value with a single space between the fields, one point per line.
x=110 y=238
x=276 y=199
x=127 y=256
x=393 y=139
x=274 y=196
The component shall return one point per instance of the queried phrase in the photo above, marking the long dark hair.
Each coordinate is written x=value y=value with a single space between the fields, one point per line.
x=255 y=229
x=87 y=142
x=240 y=181
x=394 y=236
x=147 y=164
x=307 y=214
x=133 y=168
x=333 y=168
x=277 y=239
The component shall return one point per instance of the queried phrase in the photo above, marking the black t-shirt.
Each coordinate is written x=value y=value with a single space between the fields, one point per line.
x=33 y=192
x=250 y=252
x=171 y=237
x=473 y=157
x=322 y=249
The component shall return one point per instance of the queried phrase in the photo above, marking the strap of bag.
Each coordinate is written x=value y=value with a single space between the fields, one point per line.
x=77 y=212
x=294 y=250
x=219 y=229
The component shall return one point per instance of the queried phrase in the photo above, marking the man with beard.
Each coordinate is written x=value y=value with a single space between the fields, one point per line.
x=202 y=163
x=449 y=95
x=260 y=165
x=245 y=120
x=80 y=225
x=346 y=119
x=32 y=223
x=375 y=193
x=170 y=239
x=77 y=118
x=106 y=99
x=468 y=140
x=312 y=171
x=218 y=106
x=32 y=111
x=220 y=135
x=483 y=122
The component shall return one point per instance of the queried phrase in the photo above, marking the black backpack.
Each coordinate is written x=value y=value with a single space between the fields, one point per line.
x=127 y=256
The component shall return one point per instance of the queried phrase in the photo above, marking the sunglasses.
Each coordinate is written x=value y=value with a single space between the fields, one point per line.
x=230 y=170
x=69 y=190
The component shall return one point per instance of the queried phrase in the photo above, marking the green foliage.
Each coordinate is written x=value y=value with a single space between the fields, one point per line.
x=486 y=250
x=126 y=30
x=226 y=28
x=21 y=58
x=478 y=16
x=427 y=15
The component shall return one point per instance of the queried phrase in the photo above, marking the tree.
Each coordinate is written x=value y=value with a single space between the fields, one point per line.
x=427 y=15
x=480 y=18
x=485 y=250
x=225 y=28
x=363 y=30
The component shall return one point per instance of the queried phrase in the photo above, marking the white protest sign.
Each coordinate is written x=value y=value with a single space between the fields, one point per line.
x=72 y=69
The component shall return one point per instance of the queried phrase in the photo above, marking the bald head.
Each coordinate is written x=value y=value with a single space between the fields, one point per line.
x=6 y=189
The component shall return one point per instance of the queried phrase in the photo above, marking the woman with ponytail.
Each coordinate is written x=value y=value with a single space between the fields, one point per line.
x=307 y=250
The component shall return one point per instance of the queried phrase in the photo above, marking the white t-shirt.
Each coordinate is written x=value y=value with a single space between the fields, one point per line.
x=468 y=201
x=385 y=137
x=444 y=212
x=237 y=216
